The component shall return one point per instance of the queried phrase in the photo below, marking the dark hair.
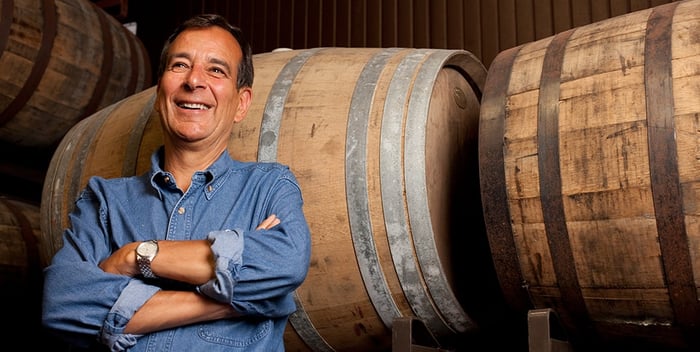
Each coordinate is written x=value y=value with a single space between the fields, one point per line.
x=245 y=68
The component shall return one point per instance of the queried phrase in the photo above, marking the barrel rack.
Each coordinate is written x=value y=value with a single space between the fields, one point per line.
x=545 y=334
x=409 y=334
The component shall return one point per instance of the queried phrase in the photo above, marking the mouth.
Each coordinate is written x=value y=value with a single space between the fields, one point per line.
x=193 y=106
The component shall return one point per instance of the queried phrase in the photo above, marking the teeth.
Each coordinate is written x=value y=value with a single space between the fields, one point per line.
x=193 y=106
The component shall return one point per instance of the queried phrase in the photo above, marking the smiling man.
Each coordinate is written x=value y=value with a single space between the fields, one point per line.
x=201 y=253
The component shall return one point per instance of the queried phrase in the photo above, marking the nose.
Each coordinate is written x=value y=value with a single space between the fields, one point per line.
x=195 y=78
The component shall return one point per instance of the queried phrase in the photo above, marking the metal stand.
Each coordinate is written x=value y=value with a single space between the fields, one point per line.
x=545 y=334
x=541 y=336
x=409 y=334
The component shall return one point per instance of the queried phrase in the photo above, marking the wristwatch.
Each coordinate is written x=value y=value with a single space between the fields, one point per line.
x=145 y=252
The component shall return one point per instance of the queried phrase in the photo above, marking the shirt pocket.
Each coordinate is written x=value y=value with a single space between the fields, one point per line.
x=232 y=333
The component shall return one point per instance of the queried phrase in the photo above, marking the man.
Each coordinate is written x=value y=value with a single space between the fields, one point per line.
x=231 y=241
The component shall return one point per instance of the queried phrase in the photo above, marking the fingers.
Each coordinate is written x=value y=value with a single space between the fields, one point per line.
x=269 y=223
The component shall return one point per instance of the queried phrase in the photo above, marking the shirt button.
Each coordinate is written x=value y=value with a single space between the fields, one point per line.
x=181 y=210
x=210 y=188
x=166 y=179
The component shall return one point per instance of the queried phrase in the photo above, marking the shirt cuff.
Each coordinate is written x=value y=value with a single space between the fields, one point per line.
x=134 y=295
x=227 y=246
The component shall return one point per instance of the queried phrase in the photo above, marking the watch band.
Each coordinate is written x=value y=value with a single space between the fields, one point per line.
x=145 y=268
x=145 y=253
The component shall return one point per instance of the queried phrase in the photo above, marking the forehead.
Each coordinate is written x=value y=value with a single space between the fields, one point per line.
x=209 y=42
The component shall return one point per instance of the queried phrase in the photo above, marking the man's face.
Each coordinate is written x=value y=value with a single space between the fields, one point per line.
x=197 y=96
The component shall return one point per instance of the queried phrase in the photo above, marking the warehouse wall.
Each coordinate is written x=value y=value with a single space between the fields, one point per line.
x=482 y=27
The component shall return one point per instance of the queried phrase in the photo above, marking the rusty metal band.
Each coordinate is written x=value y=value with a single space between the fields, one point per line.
x=83 y=135
x=140 y=63
x=551 y=185
x=55 y=198
x=41 y=62
x=357 y=189
x=65 y=172
x=417 y=193
x=493 y=181
x=306 y=330
x=135 y=142
x=267 y=151
x=274 y=106
x=6 y=13
x=147 y=69
x=107 y=64
x=396 y=220
x=663 y=165
x=135 y=54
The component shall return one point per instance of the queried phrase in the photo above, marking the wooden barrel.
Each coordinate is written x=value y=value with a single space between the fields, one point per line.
x=20 y=270
x=378 y=139
x=588 y=149
x=62 y=60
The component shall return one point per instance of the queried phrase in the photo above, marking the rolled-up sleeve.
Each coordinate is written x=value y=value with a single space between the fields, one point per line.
x=81 y=301
x=134 y=295
x=227 y=247
x=258 y=270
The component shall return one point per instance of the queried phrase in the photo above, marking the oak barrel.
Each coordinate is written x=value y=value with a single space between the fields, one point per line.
x=20 y=269
x=62 y=60
x=377 y=138
x=589 y=166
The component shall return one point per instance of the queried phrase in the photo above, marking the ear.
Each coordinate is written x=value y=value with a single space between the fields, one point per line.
x=245 y=98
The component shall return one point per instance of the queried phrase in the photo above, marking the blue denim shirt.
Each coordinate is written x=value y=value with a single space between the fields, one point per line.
x=256 y=270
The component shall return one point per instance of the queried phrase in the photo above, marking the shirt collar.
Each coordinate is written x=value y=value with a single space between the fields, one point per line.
x=216 y=173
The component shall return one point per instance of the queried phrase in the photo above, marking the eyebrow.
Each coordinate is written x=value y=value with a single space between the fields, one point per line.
x=222 y=63
x=179 y=55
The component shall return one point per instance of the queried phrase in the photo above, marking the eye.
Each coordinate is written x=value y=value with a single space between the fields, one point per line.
x=216 y=71
x=179 y=67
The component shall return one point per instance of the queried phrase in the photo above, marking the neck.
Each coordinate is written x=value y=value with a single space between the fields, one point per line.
x=184 y=163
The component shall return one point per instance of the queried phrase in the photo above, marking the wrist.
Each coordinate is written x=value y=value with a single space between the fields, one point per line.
x=145 y=254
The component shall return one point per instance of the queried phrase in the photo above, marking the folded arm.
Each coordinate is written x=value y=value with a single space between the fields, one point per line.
x=190 y=262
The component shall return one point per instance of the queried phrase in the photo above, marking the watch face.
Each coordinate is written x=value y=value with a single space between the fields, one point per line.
x=147 y=249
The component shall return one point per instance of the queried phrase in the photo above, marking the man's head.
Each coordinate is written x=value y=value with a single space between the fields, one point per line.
x=204 y=85
x=245 y=69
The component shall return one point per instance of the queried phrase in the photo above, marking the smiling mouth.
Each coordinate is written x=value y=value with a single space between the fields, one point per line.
x=193 y=106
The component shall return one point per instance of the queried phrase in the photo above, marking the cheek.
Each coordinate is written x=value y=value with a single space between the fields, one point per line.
x=160 y=93
x=161 y=100
x=224 y=94
x=168 y=84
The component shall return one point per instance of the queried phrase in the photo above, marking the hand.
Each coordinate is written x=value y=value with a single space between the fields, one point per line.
x=269 y=223
x=122 y=261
